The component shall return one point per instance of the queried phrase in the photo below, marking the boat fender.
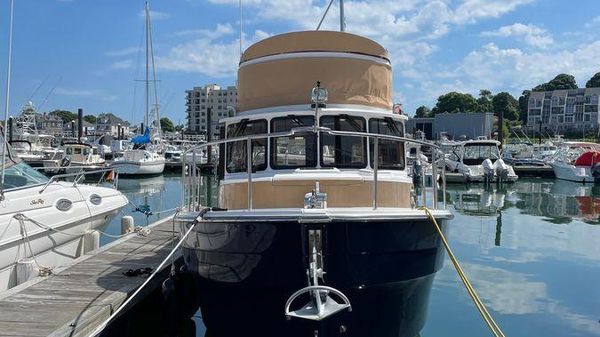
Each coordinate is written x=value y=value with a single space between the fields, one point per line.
x=181 y=299
x=596 y=171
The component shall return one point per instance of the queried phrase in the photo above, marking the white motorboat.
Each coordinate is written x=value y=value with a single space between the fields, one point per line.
x=74 y=157
x=43 y=222
x=577 y=164
x=318 y=190
x=477 y=161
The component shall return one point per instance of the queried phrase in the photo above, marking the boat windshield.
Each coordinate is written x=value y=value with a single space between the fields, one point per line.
x=295 y=151
x=343 y=151
x=21 y=175
x=391 y=153
x=475 y=154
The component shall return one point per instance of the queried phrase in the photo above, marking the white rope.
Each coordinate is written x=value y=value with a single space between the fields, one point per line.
x=42 y=270
x=142 y=231
x=156 y=271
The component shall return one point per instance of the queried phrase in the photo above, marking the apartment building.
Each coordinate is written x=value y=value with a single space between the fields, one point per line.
x=564 y=110
x=199 y=100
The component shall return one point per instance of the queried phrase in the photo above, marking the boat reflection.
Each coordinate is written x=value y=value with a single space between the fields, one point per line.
x=558 y=201
x=149 y=186
x=479 y=199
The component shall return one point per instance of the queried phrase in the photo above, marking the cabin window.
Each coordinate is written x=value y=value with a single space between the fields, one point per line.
x=295 y=151
x=475 y=154
x=77 y=151
x=236 y=151
x=69 y=151
x=391 y=152
x=343 y=151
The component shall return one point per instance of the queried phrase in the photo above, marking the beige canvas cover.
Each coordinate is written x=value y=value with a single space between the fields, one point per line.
x=288 y=81
x=314 y=41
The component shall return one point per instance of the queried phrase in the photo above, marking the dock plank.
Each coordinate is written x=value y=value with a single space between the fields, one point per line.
x=75 y=300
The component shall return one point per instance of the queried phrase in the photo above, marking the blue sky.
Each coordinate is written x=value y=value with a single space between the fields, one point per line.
x=90 y=50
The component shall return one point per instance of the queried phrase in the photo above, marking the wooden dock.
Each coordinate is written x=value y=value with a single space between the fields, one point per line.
x=78 y=298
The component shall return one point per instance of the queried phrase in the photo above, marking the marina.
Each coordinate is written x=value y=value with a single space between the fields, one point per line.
x=305 y=200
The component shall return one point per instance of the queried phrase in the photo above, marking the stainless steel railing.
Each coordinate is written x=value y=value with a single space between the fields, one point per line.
x=191 y=177
x=79 y=176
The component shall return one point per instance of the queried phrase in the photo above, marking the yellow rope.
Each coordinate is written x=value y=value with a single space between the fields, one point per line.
x=489 y=320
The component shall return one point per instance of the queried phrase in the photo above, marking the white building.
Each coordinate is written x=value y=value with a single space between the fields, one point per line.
x=199 y=100
x=564 y=110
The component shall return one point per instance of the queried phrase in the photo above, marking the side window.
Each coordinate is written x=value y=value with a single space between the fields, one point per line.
x=295 y=151
x=236 y=151
x=391 y=152
x=343 y=151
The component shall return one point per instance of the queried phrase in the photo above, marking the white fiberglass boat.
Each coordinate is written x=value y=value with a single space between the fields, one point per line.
x=139 y=162
x=584 y=169
x=43 y=222
x=477 y=161
x=73 y=158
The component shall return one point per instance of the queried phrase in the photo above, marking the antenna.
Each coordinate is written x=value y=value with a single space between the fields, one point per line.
x=241 y=29
x=342 y=17
x=7 y=99
x=324 y=14
x=39 y=108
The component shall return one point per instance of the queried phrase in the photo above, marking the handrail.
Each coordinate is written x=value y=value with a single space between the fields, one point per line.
x=310 y=129
x=77 y=175
x=316 y=130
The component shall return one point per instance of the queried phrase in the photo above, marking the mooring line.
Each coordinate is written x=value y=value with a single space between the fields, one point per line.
x=489 y=320
x=139 y=289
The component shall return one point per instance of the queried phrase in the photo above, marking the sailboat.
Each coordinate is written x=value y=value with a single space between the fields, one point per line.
x=144 y=158
x=44 y=222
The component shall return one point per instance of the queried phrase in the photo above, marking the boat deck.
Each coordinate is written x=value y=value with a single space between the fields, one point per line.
x=78 y=298
x=534 y=171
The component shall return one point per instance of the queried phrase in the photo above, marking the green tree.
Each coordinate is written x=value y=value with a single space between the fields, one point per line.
x=484 y=102
x=454 y=102
x=65 y=115
x=594 y=82
x=166 y=125
x=422 y=111
x=505 y=104
x=560 y=82
x=90 y=119
x=524 y=105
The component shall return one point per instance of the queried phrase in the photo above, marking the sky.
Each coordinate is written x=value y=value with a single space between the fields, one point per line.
x=70 y=54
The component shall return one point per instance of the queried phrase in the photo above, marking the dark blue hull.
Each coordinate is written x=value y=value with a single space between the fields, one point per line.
x=247 y=270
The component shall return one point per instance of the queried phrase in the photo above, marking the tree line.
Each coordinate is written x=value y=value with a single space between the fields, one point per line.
x=512 y=108
x=67 y=116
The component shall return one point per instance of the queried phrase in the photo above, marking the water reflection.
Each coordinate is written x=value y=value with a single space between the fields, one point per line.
x=558 y=201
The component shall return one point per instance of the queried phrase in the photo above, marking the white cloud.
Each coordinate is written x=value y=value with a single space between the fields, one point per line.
x=470 y=11
x=122 y=52
x=220 y=31
x=91 y=93
x=531 y=34
x=125 y=64
x=206 y=56
x=155 y=15
x=593 y=22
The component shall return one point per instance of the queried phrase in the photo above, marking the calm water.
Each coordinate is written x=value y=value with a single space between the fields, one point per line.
x=531 y=250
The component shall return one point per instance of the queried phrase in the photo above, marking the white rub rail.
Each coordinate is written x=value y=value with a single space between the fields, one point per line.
x=192 y=192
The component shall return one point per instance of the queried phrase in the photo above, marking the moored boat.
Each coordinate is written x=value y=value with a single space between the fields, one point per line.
x=315 y=203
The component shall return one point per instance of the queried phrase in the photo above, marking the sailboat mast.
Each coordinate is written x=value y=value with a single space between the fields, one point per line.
x=342 y=17
x=154 y=81
x=7 y=99
x=147 y=67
